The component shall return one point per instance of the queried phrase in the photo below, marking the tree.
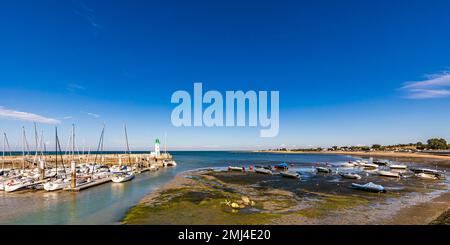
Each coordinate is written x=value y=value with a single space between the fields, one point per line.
x=437 y=144
x=376 y=146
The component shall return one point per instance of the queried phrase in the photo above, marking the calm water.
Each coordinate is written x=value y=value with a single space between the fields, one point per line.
x=107 y=204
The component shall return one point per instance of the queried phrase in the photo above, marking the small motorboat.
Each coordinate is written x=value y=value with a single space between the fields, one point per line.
x=263 y=171
x=426 y=170
x=323 y=169
x=168 y=163
x=348 y=165
x=281 y=166
x=350 y=175
x=231 y=168
x=368 y=165
x=265 y=167
x=292 y=175
x=381 y=162
x=16 y=184
x=371 y=187
x=397 y=166
x=122 y=177
x=388 y=174
x=427 y=176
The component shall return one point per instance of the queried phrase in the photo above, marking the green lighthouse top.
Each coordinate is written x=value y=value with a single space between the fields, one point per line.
x=157 y=141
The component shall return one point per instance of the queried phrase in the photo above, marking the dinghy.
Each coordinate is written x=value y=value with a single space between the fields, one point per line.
x=426 y=176
x=388 y=174
x=122 y=177
x=369 y=165
x=371 y=187
x=265 y=167
x=241 y=169
x=426 y=170
x=263 y=171
x=381 y=162
x=281 y=166
x=323 y=169
x=348 y=165
x=292 y=175
x=350 y=175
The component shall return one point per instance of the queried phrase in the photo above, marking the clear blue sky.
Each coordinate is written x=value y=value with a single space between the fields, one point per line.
x=348 y=72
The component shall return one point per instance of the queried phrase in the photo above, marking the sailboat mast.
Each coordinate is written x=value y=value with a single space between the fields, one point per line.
x=3 y=154
x=73 y=142
x=23 y=147
x=35 y=141
x=128 y=146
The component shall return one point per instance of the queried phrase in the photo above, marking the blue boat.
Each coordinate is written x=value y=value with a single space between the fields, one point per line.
x=371 y=187
x=281 y=166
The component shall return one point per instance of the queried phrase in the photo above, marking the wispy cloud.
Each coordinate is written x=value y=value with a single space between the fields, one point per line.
x=72 y=87
x=93 y=114
x=87 y=13
x=435 y=86
x=67 y=117
x=26 y=116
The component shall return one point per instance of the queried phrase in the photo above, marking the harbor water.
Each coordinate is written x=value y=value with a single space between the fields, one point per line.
x=108 y=203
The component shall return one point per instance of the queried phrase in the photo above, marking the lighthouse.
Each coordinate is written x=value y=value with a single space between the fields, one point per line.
x=157 y=148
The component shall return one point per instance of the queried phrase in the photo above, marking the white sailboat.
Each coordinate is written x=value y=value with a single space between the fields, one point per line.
x=122 y=177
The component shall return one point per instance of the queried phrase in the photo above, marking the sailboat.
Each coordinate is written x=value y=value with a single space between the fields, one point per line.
x=60 y=182
x=123 y=176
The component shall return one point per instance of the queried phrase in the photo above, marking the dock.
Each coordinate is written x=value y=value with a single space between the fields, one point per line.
x=90 y=184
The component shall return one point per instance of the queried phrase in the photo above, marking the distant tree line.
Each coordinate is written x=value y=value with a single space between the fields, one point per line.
x=432 y=144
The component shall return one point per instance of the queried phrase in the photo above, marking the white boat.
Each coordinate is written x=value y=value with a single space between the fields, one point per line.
x=16 y=184
x=350 y=175
x=230 y=168
x=369 y=165
x=292 y=175
x=122 y=177
x=57 y=184
x=388 y=174
x=427 y=176
x=263 y=171
x=397 y=166
x=348 y=165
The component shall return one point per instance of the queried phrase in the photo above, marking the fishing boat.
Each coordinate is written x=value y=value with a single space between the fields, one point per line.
x=371 y=187
x=292 y=175
x=426 y=176
x=265 y=167
x=231 y=168
x=57 y=184
x=350 y=175
x=263 y=171
x=397 y=166
x=323 y=169
x=122 y=177
x=388 y=174
x=281 y=166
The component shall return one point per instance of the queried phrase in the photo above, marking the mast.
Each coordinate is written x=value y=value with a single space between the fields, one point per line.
x=128 y=146
x=3 y=155
x=35 y=142
x=23 y=147
x=56 y=150
x=100 y=144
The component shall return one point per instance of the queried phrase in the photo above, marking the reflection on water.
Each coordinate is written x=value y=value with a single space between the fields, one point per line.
x=107 y=203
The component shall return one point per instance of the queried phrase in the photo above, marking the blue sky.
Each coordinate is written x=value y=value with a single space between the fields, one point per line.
x=348 y=72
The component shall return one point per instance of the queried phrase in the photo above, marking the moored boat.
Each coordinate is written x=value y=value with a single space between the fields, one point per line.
x=281 y=166
x=292 y=175
x=426 y=176
x=263 y=171
x=350 y=175
x=371 y=187
x=231 y=168
x=122 y=177
x=388 y=174
x=57 y=184
x=397 y=166
x=323 y=169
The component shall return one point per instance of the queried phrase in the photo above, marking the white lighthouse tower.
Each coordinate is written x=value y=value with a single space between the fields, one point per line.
x=157 y=148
